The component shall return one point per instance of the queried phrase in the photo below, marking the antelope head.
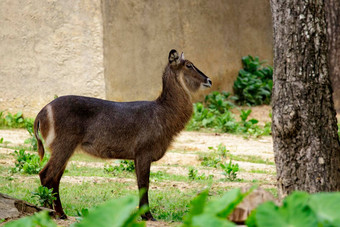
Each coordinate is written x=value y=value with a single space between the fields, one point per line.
x=189 y=76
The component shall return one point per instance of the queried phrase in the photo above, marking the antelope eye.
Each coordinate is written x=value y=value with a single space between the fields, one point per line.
x=189 y=66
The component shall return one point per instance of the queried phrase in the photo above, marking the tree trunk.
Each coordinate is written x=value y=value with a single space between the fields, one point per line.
x=333 y=22
x=306 y=144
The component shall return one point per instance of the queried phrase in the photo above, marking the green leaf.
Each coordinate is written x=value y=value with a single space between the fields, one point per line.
x=196 y=207
x=208 y=220
x=225 y=205
x=254 y=121
x=294 y=212
x=112 y=213
x=326 y=206
x=38 y=219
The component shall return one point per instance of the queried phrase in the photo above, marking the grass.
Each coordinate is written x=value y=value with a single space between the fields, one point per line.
x=167 y=204
x=251 y=159
x=261 y=171
x=170 y=194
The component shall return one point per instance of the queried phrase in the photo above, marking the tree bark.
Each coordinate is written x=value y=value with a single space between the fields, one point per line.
x=333 y=22
x=306 y=144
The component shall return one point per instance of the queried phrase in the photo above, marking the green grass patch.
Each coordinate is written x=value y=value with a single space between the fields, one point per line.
x=251 y=158
x=77 y=196
x=261 y=171
x=171 y=204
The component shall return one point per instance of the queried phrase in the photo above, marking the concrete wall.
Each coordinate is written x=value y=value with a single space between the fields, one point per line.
x=47 y=48
x=61 y=47
x=215 y=34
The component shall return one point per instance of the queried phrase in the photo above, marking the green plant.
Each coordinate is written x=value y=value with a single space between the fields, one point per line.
x=45 y=196
x=27 y=163
x=12 y=120
x=299 y=209
x=107 y=214
x=202 y=117
x=210 y=161
x=250 y=127
x=1 y=140
x=227 y=122
x=38 y=219
x=214 y=212
x=221 y=150
x=230 y=170
x=219 y=101
x=124 y=165
x=29 y=125
x=254 y=83
x=219 y=117
x=245 y=124
x=193 y=175
x=82 y=213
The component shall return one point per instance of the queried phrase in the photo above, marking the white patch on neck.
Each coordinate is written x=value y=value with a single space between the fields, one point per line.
x=51 y=131
x=181 y=80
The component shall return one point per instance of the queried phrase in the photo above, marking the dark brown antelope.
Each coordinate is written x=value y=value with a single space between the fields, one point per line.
x=140 y=131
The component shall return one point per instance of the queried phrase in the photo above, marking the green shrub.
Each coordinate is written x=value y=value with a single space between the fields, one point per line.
x=28 y=163
x=124 y=165
x=45 y=196
x=224 y=121
x=210 y=161
x=230 y=170
x=193 y=175
x=220 y=150
x=18 y=121
x=202 y=117
x=29 y=125
x=219 y=101
x=13 y=121
x=254 y=83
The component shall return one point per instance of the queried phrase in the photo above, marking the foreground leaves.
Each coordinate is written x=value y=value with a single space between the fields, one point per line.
x=120 y=212
x=299 y=210
x=213 y=213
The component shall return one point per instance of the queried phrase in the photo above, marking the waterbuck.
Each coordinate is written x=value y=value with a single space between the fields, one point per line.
x=140 y=131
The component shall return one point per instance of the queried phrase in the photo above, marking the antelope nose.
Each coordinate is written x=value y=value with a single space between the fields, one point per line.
x=208 y=82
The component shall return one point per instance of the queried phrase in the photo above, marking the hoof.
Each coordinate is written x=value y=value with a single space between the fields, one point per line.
x=61 y=216
x=148 y=217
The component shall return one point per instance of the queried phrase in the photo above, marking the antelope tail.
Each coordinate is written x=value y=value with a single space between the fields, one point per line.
x=41 y=150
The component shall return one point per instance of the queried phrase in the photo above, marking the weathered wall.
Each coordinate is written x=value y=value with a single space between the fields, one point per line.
x=215 y=34
x=61 y=47
x=47 y=48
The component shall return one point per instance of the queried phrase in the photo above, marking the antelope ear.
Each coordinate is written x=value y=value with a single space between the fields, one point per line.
x=182 y=57
x=173 y=57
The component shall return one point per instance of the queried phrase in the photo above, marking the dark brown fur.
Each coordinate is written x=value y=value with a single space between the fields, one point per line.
x=140 y=131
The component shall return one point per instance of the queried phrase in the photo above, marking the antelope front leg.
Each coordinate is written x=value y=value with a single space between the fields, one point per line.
x=143 y=173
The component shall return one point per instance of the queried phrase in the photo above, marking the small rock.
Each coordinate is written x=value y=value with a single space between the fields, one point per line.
x=242 y=211
x=11 y=208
